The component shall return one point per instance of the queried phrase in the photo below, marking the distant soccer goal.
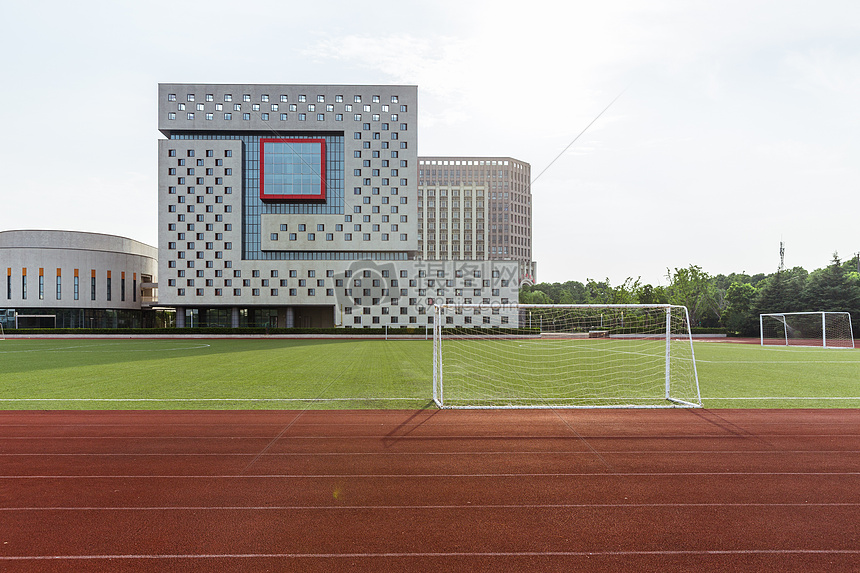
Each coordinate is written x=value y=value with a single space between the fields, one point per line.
x=818 y=329
x=564 y=356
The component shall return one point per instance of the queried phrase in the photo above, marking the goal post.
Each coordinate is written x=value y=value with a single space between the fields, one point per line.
x=563 y=356
x=813 y=329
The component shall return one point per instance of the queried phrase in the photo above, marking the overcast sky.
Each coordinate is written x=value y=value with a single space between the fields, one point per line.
x=737 y=126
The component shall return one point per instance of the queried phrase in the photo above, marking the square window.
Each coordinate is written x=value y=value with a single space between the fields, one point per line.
x=293 y=169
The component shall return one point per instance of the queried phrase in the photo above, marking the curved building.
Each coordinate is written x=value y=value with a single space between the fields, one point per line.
x=71 y=279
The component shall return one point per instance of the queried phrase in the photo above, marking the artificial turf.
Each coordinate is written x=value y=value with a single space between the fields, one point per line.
x=347 y=373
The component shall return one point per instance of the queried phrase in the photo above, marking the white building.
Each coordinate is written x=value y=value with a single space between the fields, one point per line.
x=297 y=205
x=476 y=208
x=71 y=279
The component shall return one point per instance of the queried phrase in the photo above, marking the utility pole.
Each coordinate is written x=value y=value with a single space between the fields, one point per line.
x=782 y=256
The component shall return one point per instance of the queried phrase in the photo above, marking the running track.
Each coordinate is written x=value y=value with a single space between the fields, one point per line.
x=597 y=490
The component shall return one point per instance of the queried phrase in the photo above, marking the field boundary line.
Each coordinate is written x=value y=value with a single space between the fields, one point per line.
x=423 y=476
x=206 y=399
x=458 y=554
x=424 y=506
x=789 y=398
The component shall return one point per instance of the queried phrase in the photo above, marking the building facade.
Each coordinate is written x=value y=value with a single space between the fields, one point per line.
x=297 y=206
x=69 y=279
x=476 y=208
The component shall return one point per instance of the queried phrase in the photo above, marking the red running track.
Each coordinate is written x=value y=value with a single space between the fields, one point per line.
x=596 y=490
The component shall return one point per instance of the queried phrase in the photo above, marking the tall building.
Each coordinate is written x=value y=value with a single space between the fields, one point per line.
x=476 y=208
x=297 y=205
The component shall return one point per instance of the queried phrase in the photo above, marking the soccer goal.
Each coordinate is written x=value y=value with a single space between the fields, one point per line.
x=563 y=356
x=818 y=329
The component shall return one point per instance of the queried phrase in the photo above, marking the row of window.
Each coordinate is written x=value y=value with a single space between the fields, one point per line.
x=208 y=171
x=358 y=302
x=76 y=286
x=329 y=108
x=429 y=320
x=265 y=116
x=430 y=276
x=190 y=208
x=346 y=236
x=209 y=153
x=254 y=292
x=264 y=98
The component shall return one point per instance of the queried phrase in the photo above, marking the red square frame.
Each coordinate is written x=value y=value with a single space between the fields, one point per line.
x=318 y=198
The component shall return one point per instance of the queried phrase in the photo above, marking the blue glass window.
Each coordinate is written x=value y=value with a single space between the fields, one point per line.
x=292 y=170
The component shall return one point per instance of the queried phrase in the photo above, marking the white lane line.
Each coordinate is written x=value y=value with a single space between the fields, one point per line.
x=384 y=399
x=438 y=554
x=428 y=507
x=421 y=454
x=426 y=476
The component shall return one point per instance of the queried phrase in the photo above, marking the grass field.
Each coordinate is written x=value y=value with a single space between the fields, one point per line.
x=298 y=374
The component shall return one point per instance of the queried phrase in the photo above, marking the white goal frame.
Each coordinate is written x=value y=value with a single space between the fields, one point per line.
x=805 y=342
x=675 y=347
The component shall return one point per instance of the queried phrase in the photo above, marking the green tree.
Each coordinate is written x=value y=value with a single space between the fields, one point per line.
x=535 y=297
x=694 y=288
x=598 y=292
x=738 y=316
x=831 y=289
x=648 y=294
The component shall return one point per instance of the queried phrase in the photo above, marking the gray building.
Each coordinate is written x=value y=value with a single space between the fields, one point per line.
x=297 y=206
x=476 y=208
x=71 y=279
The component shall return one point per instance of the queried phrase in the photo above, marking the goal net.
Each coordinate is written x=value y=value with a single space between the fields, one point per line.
x=563 y=356
x=819 y=329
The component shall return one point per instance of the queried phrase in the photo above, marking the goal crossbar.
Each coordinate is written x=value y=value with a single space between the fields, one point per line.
x=563 y=356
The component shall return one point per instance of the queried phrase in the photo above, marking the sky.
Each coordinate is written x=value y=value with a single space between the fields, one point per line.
x=735 y=126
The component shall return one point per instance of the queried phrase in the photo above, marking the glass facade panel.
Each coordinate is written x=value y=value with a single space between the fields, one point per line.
x=292 y=170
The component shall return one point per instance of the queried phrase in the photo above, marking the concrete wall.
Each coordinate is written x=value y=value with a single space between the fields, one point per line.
x=36 y=253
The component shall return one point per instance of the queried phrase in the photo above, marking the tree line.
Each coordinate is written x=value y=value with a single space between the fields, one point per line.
x=733 y=302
